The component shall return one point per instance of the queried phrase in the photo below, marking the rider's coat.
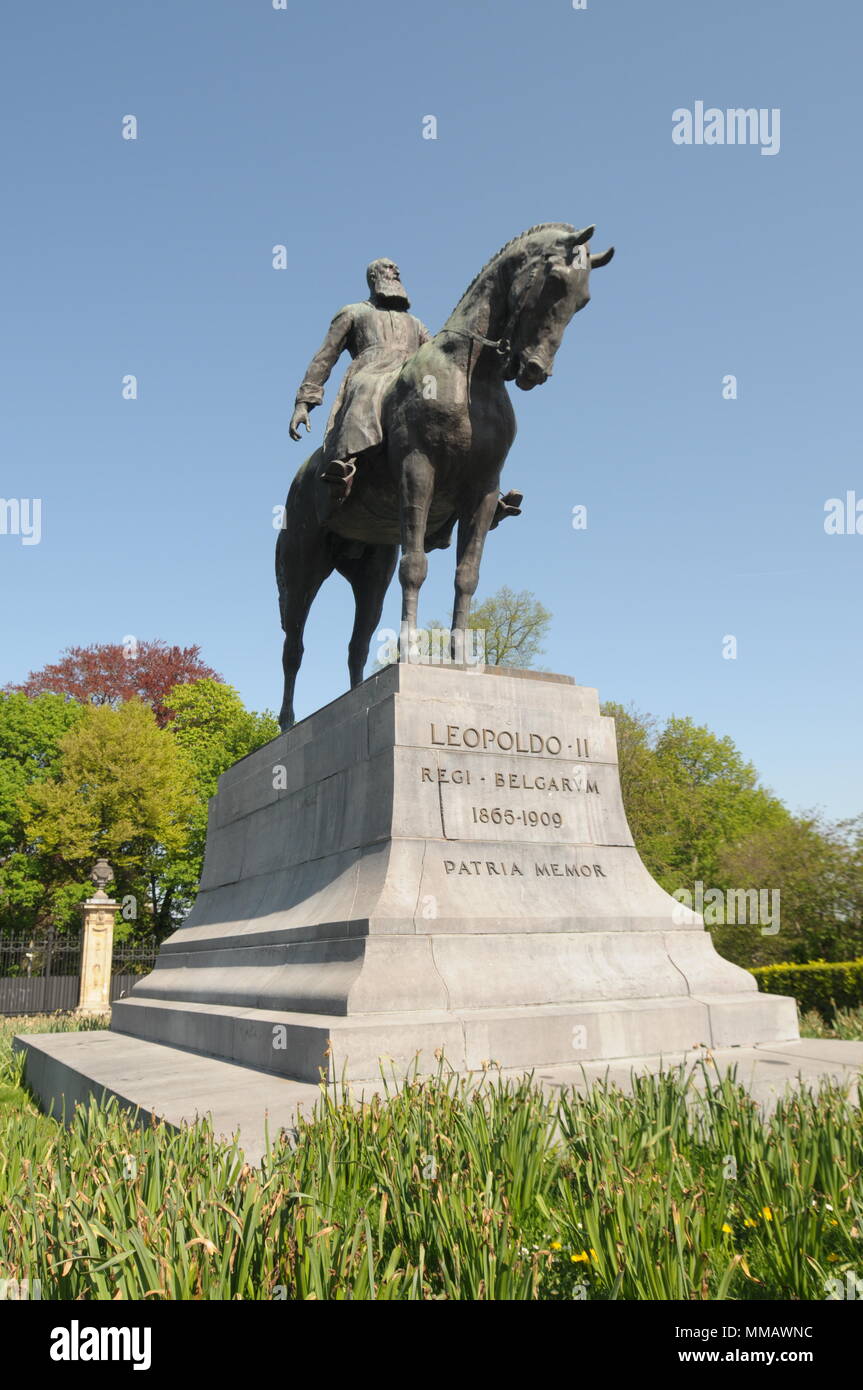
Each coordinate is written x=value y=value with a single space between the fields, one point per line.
x=379 y=340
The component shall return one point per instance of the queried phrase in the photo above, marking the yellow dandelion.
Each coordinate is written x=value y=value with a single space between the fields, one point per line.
x=580 y=1259
x=767 y=1213
x=556 y=1245
x=750 y=1221
x=727 y=1229
x=593 y=1254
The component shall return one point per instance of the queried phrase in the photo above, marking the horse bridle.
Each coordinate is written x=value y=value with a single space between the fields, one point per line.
x=502 y=345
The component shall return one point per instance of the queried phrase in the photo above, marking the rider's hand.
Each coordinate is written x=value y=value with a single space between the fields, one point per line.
x=299 y=417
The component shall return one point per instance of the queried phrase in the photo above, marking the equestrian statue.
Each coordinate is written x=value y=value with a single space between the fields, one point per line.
x=418 y=435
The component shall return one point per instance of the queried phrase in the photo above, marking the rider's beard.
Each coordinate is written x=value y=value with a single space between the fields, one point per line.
x=390 y=294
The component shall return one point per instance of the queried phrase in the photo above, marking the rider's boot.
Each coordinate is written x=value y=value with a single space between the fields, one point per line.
x=508 y=505
x=339 y=477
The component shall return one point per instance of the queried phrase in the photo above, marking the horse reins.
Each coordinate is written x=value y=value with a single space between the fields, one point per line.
x=503 y=345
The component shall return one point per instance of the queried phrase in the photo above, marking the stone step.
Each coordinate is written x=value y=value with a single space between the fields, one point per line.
x=301 y=1045
x=66 y=1069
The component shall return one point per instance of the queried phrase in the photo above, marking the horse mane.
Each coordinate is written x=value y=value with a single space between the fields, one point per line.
x=522 y=236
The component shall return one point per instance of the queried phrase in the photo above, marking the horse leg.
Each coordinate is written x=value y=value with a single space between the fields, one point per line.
x=417 y=490
x=473 y=527
x=369 y=576
x=300 y=575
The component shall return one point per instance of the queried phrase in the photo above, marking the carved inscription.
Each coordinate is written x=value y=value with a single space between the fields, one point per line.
x=505 y=741
x=512 y=869
x=579 y=780
x=494 y=815
x=496 y=800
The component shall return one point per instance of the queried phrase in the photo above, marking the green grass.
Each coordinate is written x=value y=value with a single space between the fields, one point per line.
x=846 y=1024
x=13 y=1095
x=440 y=1192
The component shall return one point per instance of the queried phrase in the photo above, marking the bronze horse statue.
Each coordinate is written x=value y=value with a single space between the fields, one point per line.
x=448 y=427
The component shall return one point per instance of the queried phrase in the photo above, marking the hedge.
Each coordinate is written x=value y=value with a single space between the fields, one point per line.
x=819 y=984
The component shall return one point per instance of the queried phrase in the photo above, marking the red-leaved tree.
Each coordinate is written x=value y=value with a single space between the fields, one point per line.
x=107 y=673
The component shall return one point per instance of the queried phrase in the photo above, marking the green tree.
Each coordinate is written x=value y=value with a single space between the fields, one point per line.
x=212 y=727
x=716 y=798
x=649 y=792
x=693 y=804
x=817 y=870
x=123 y=789
x=515 y=626
x=30 y=734
x=79 y=781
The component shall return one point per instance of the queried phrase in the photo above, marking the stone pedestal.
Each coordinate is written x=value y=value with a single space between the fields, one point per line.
x=97 y=949
x=439 y=859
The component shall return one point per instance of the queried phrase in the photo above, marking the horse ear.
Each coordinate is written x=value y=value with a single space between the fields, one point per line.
x=603 y=259
x=573 y=240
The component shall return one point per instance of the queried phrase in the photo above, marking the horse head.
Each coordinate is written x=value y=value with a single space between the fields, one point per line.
x=549 y=285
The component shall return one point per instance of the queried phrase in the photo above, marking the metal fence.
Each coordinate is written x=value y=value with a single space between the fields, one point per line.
x=129 y=963
x=41 y=975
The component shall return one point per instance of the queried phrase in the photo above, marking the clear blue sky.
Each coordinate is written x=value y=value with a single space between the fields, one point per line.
x=303 y=127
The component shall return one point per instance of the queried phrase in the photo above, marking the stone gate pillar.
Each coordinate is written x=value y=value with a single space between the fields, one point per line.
x=98 y=944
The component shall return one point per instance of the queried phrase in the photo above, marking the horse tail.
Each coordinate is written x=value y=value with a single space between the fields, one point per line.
x=299 y=514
